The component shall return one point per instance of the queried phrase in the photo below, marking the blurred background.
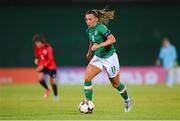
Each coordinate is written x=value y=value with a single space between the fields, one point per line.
x=139 y=27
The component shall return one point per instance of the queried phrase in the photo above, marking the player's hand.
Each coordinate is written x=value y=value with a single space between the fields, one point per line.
x=39 y=68
x=94 y=47
x=36 y=61
x=89 y=55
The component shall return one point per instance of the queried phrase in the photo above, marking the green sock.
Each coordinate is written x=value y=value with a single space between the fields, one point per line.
x=88 y=90
x=122 y=90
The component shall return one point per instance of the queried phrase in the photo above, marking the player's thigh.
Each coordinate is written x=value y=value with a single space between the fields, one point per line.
x=91 y=72
x=111 y=65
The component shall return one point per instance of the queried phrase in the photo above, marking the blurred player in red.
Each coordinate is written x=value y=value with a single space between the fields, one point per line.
x=44 y=59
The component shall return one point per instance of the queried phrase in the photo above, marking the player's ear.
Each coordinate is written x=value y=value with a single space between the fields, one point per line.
x=96 y=19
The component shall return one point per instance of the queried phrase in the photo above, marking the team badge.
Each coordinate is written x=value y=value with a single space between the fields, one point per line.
x=44 y=52
x=95 y=33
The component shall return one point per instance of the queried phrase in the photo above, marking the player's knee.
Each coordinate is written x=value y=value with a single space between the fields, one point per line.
x=40 y=78
x=52 y=81
x=42 y=81
x=87 y=77
x=115 y=84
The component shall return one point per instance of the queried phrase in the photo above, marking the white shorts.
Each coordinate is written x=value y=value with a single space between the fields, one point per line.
x=111 y=64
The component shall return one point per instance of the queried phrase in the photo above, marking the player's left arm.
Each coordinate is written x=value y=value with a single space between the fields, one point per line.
x=110 y=39
x=50 y=56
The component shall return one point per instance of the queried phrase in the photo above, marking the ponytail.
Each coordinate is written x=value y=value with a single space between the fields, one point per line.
x=103 y=15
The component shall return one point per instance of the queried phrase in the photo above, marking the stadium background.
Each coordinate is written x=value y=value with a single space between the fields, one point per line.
x=138 y=26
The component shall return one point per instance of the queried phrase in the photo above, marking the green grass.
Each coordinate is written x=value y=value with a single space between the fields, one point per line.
x=149 y=102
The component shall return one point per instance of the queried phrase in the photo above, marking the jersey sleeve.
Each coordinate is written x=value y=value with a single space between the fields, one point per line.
x=35 y=52
x=102 y=29
x=50 y=55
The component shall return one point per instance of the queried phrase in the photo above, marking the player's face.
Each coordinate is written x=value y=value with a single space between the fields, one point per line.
x=38 y=44
x=91 y=20
x=166 y=43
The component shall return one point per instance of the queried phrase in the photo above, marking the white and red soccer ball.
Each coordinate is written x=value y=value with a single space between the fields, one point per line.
x=86 y=106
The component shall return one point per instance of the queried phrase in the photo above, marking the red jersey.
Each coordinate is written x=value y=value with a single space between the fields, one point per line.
x=45 y=56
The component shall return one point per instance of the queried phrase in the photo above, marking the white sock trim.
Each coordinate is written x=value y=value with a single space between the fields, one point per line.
x=88 y=87
x=127 y=98
x=123 y=90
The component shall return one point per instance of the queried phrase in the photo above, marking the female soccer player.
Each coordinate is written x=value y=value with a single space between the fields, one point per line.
x=105 y=57
x=45 y=62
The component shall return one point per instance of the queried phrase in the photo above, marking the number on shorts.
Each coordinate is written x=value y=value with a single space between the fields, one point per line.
x=113 y=69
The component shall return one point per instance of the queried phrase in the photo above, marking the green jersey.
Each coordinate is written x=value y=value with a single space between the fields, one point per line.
x=98 y=35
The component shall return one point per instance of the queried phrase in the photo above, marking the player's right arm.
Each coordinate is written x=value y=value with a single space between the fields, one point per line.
x=36 y=61
x=35 y=56
x=89 y=54
x=39 y=67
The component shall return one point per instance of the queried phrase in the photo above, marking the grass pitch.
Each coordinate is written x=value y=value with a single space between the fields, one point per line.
x=149 y=102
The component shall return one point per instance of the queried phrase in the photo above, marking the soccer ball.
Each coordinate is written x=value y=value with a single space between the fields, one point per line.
x=86 y=106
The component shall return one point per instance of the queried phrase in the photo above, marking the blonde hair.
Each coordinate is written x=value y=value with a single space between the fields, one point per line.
x=103 y=15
